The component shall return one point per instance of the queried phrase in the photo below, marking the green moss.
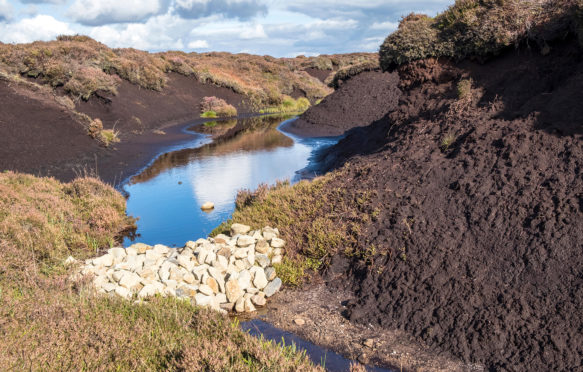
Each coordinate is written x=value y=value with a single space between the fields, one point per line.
x=209 y=114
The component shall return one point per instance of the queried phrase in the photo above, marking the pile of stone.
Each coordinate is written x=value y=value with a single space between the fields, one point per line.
x=225 y=273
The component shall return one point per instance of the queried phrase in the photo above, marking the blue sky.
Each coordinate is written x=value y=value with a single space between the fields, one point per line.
x=275 y=27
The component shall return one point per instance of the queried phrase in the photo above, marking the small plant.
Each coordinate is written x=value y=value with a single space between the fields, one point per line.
x=447 y=141
x=95 y=128
x=209 y=114
x=213 y=107
x=109 y=136
x=464 y=89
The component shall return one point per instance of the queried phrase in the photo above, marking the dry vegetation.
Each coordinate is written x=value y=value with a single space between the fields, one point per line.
x=317 y=220
x=480 y=28
x=48 y=322
x=213 y=107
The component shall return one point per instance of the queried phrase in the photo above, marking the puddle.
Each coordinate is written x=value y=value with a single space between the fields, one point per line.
x=330 y=360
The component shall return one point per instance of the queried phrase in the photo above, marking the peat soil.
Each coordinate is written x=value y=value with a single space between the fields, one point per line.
x=476 y=248
x=39 y=137
x=350 y=106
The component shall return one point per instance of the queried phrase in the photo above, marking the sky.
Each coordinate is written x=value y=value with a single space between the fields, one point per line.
x=278 y=28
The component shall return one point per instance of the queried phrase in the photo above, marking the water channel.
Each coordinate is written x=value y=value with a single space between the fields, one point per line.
x=168 y=194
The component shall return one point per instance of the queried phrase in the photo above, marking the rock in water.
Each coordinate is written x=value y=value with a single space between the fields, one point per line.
x=208 y=206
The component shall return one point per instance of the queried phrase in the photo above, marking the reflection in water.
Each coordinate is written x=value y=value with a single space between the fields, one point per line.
x=319 y=355
x=167 y=196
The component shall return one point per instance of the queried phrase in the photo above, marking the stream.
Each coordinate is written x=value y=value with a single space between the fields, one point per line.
x=168 y=194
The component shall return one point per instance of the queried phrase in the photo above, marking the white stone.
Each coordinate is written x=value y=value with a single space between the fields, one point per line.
x=233 y=291
x=130 y=281
x=240 y=305
x=238 y=228
x=189 y=278
x=272 y=287
x=276 y=260
x=202 y=300
x=117 y=253
x=277 y=243
x=123 y=292
x=262 y=260
x=141 y=248
x=245 y=241
x=244 y=279
x=152 y=255
x=258 y=300
x=130 y=251
x=260 y=280
x=161 y=249
x=270 y=273
x=207 y=206
x=118 y=275
x=206 y=290
x=149 y=290
x=241 y=253
x=70 y=261
x=170 y=283
x=106 y=260
x=262 y=246
x=211 y=256
x=109 y=287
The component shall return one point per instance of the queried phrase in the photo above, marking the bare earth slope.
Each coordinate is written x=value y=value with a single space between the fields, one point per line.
x=476 y=247
x=359 y=101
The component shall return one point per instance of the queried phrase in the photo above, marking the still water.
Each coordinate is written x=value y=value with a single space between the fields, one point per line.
x=167 y=195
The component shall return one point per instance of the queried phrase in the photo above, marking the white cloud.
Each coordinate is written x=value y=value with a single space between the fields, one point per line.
x=230 y=31
x=41 y=27
x=385 y=26
x=242 y=9
x=43 y=1
x=198 y=44
x=255 y=32
x=97 y=13
x=5 y=11
x=158 y=33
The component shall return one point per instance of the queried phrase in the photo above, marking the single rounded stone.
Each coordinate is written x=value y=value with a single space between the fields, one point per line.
x=208 y=206
x=258 y=300
x=260 y=280
x=238 y=228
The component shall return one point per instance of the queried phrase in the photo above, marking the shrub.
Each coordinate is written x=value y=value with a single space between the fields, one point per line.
x=109 y=136
x=95 y=128
x=477 y=28
x=217 y=106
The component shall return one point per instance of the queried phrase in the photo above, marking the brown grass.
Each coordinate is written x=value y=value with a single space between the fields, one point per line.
x=84 y=66
x=51 y=323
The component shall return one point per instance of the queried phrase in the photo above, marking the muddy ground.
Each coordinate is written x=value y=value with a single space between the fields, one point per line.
x=477 y=247
x=37 y=136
